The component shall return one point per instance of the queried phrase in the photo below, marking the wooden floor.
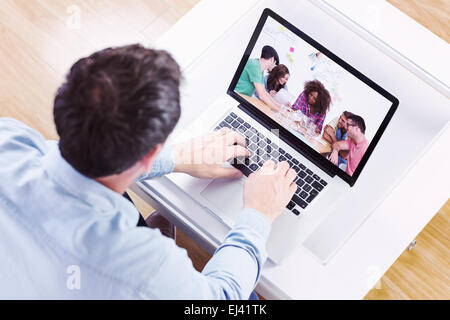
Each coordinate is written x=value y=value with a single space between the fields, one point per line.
x=41 y=39
x=423 y=272
x=432 y=14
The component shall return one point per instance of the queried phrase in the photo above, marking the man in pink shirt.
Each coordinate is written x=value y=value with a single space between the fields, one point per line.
x=356 y=144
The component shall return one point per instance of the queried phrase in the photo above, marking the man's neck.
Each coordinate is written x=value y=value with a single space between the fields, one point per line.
x=263 y=63
x=122 y=181
x=119 y=182
x=359 y=139
x=116 y=186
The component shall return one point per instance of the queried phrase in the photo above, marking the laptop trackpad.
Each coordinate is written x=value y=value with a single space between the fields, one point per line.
x=224 y=197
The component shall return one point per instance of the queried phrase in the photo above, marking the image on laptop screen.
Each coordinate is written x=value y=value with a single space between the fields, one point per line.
x=313 y=97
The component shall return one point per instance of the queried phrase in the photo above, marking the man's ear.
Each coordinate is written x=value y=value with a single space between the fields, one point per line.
x=148 y=159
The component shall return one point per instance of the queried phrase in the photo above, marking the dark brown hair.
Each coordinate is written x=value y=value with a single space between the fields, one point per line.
x=323 y=100
x=347 y=114
x=277 y=72
x=115 y=106
x=268 y=52
x=359 y=122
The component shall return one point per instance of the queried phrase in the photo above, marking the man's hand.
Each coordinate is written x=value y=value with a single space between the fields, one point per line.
x=203 y=157
x=270 y=189
x=329 y=134
x=334 y=157
x=337 y=147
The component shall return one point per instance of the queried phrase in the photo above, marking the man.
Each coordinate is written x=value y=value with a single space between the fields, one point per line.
x=356 y=144
x=336 y=130
x=66 y=231
x=252 y=77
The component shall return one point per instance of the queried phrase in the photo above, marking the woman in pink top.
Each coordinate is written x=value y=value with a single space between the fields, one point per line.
x=356 y=144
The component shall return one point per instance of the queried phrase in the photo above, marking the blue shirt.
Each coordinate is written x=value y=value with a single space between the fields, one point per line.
x=339 y=135
x=65 y=236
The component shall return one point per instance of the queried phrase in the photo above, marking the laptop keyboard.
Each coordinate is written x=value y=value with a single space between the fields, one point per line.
x=261 y=148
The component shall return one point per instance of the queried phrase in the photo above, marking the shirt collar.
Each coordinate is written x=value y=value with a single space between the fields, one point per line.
x=365 y=141
x=84 y=188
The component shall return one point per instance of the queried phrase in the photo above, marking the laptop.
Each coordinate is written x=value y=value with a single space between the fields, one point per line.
x=295 y=131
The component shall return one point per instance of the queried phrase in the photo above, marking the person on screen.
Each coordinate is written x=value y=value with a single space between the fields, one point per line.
x=336 y=129
x=252 y=77
x=314 y=102
x=356 y=144
x=276 y=80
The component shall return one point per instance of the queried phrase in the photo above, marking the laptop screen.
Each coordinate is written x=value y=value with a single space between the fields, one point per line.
x=319 y=99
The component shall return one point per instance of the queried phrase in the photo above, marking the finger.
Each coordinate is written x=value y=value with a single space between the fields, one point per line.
x=334 y=160
x=269 y=164
x=233 y=137
x=331 y=158
x=282 y=168
x=236 y=151
x=267 y=168
x=222 y=131
x=290 y=175
x=293 y=188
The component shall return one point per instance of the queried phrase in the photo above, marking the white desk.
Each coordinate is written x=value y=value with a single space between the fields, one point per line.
x=208 y=43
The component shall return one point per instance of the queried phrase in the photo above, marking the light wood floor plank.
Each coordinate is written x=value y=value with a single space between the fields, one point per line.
x=28 y=85
x=432 y=14
x=423 y=272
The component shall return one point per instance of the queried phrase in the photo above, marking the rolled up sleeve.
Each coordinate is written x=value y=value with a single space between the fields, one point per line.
x=238 y=262
x=163 y=164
